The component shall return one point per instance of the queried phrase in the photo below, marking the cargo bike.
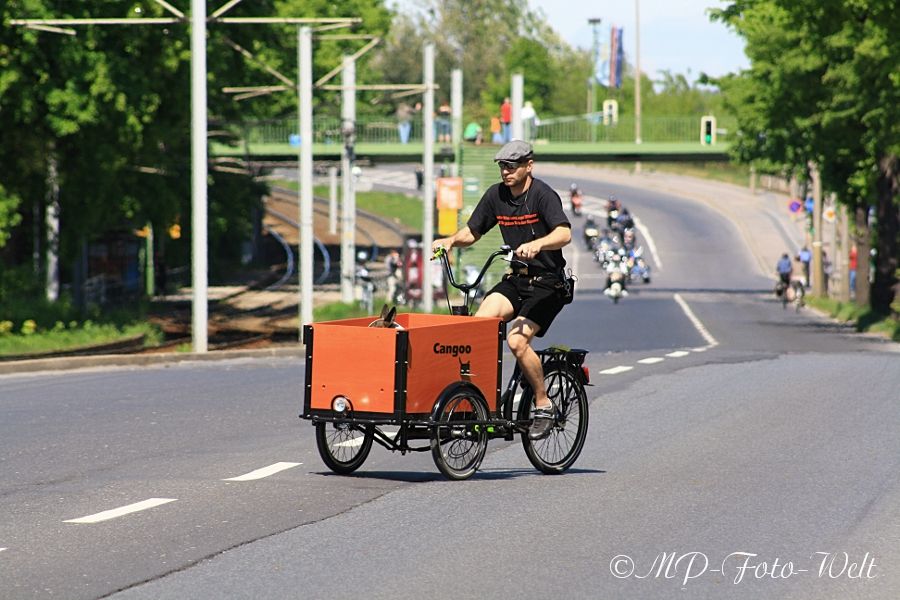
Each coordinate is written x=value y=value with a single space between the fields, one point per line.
x=424 y=382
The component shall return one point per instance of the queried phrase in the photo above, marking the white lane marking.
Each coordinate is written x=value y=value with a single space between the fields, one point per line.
x=677 y=354
x=650 y=244
x=710 y=340
x=264 y=472
x=2 y=549
x=702 y=349
x=651 y=361
x=106 y=515
x=615 y=370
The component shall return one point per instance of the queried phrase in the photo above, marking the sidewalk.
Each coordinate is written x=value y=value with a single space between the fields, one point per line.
x=766 y=224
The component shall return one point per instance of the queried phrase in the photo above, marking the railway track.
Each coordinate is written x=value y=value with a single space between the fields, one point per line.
x=258 y=315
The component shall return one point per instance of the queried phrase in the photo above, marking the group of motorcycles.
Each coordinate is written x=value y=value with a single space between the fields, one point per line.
x=614 y=247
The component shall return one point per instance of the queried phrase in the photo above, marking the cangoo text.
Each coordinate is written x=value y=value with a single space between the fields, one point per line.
x=455 y=350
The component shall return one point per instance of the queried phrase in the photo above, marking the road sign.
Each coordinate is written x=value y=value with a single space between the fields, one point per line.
x=828 y=215
x=449 y=193
x=795 y=206
x=809 y=204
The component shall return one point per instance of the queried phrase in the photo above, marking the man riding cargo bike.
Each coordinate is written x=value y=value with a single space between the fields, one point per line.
x=533 y=223
x=438 y=377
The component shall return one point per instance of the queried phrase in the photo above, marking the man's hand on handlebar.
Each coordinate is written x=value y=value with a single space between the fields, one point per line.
x=440 y=245
x=528 y=249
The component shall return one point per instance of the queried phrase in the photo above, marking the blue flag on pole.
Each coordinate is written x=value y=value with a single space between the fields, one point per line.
x=617 y=57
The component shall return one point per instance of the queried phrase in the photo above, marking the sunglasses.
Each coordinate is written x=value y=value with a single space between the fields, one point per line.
x=507 y=165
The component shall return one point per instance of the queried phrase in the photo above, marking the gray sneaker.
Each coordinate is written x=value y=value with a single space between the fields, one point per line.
x=542 y=424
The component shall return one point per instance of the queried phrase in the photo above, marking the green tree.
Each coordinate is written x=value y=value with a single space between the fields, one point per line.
x=823 y=86
x=109 y=109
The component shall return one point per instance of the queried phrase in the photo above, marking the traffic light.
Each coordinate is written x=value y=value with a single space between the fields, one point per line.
x=175 y=231
x=610 y=112
x=707 y=130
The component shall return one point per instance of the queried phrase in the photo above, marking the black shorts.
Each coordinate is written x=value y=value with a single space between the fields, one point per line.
x=538 y=299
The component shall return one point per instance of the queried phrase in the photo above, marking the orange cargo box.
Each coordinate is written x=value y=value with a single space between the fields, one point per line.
x=395 y=372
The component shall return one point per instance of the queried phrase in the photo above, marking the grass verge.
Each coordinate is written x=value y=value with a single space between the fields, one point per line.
x=394 y=206
x=75 y=335
x=863 y=317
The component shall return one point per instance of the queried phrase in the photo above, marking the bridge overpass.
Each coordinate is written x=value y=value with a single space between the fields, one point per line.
x=564 y=139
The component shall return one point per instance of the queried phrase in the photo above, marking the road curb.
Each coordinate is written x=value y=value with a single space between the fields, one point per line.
x=142 y=360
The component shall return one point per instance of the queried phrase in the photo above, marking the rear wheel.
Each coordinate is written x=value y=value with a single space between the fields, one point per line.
x=559 y=450
x=342 y=446
x=458 y=442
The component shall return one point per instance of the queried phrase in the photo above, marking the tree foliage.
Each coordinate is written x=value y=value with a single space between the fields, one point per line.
x=110 y=108
x=824 y=87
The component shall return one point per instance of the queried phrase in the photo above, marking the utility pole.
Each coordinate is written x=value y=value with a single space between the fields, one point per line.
x=456 y=108
x=816 y=272
x=348 y=198
x=428 y=183
x=199 y=171
x=518 y=96
x=305 y=176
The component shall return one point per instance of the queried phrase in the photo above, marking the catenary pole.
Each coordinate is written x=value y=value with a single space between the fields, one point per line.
x=517 y=94
x=304 y=78
x=348 y=200
x=428 y=183
x=456 y=108
x=199 y=162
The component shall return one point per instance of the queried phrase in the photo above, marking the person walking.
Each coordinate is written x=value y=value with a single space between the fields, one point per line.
x=404 y=121
x=496 y=131
x=506 y=120
x=444 y=114
x=805 y=257
x=532 y=222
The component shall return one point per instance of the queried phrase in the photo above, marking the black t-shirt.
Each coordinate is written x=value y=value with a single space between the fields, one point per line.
x=522 y=219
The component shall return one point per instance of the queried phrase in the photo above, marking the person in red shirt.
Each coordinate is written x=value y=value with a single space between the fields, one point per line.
x=506 y=120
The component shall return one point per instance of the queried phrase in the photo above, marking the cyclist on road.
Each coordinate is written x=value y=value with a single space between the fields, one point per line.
x=785 y=269
x=533 y=223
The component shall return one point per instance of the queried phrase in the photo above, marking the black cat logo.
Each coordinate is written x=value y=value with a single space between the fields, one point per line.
x=465 y=369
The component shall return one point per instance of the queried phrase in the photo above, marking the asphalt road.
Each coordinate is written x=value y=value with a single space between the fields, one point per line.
x=726 y=434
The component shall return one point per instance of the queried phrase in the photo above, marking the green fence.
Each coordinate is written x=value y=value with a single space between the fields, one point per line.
x=590 y=128
x=577 y=128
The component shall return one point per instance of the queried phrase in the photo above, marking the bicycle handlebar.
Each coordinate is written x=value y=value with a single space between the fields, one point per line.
x=441 y=253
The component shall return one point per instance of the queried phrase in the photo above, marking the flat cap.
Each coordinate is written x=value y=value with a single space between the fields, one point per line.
x=514 y=151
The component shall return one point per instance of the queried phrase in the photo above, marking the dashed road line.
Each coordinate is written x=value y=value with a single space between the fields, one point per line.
x=651 y=361
x=677 y=354
x=2 y=549
x=122 y=511
x=704 y=333
x=650 y=244
x=616 y=370
x=264 y=472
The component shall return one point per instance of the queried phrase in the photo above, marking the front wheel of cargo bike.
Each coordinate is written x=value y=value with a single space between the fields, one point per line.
x=344 y=447
x=560 y=449
x=458 y=440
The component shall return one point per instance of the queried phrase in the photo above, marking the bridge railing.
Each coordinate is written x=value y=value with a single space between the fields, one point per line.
x=575 y=128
